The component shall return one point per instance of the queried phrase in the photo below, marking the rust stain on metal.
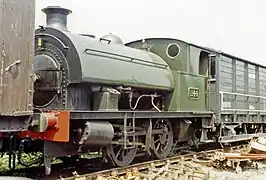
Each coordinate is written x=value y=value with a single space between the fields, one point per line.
x=16 y=56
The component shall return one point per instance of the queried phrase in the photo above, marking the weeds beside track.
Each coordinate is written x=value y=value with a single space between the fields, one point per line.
x=143 y=169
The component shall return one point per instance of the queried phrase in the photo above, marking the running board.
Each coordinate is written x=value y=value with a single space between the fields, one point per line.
x=241 y=137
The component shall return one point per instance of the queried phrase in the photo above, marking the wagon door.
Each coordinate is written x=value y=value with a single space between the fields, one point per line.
x=211 y=85
x=16 y=53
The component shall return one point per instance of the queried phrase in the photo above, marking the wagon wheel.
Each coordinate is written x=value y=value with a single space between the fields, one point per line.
x=162 y=143
x=120 y=156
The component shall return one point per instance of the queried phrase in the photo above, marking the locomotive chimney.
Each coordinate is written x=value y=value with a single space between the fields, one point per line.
x=56 y=17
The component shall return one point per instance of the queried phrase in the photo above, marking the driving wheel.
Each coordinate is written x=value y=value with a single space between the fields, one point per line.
x=162 y=143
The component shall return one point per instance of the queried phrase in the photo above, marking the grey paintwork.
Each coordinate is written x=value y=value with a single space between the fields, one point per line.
x=186 y=77
x=117 y=64
x=246 y=80
x=247 y=83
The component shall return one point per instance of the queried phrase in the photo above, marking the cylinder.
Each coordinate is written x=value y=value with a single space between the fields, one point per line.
x=97 y=133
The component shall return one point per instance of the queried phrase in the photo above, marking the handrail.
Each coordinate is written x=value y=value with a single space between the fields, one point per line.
x=54 y=37
x=243 y=110
x=222 y=93
x=246 y=95
x=125 y=56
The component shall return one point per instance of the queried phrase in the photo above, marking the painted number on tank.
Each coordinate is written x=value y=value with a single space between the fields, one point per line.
x=227 y=105
x=251 y=107
x=193 y=93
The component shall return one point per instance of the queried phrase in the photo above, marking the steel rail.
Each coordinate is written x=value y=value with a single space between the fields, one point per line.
x=145 y=165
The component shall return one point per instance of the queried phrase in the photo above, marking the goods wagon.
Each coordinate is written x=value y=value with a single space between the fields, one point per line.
x=16 y=58
x=237 y=96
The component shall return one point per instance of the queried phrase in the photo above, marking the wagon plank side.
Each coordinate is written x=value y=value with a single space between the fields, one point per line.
x=17 y=45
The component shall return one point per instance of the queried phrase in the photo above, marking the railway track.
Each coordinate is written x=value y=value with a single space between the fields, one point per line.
x=93 y=168
x=157 y=166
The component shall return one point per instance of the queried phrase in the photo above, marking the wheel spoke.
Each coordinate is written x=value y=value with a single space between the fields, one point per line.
x=117 y=154
x=162 y=143
x=156 y=141
x=121 y=156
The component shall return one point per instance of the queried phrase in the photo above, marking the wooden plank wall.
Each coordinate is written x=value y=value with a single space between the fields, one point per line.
x=17 y=25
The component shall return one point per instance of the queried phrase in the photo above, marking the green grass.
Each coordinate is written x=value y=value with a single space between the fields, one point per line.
x=29 y=157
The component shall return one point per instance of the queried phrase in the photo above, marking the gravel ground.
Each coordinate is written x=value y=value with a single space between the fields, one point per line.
x=254 y=174
x=168 y=172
